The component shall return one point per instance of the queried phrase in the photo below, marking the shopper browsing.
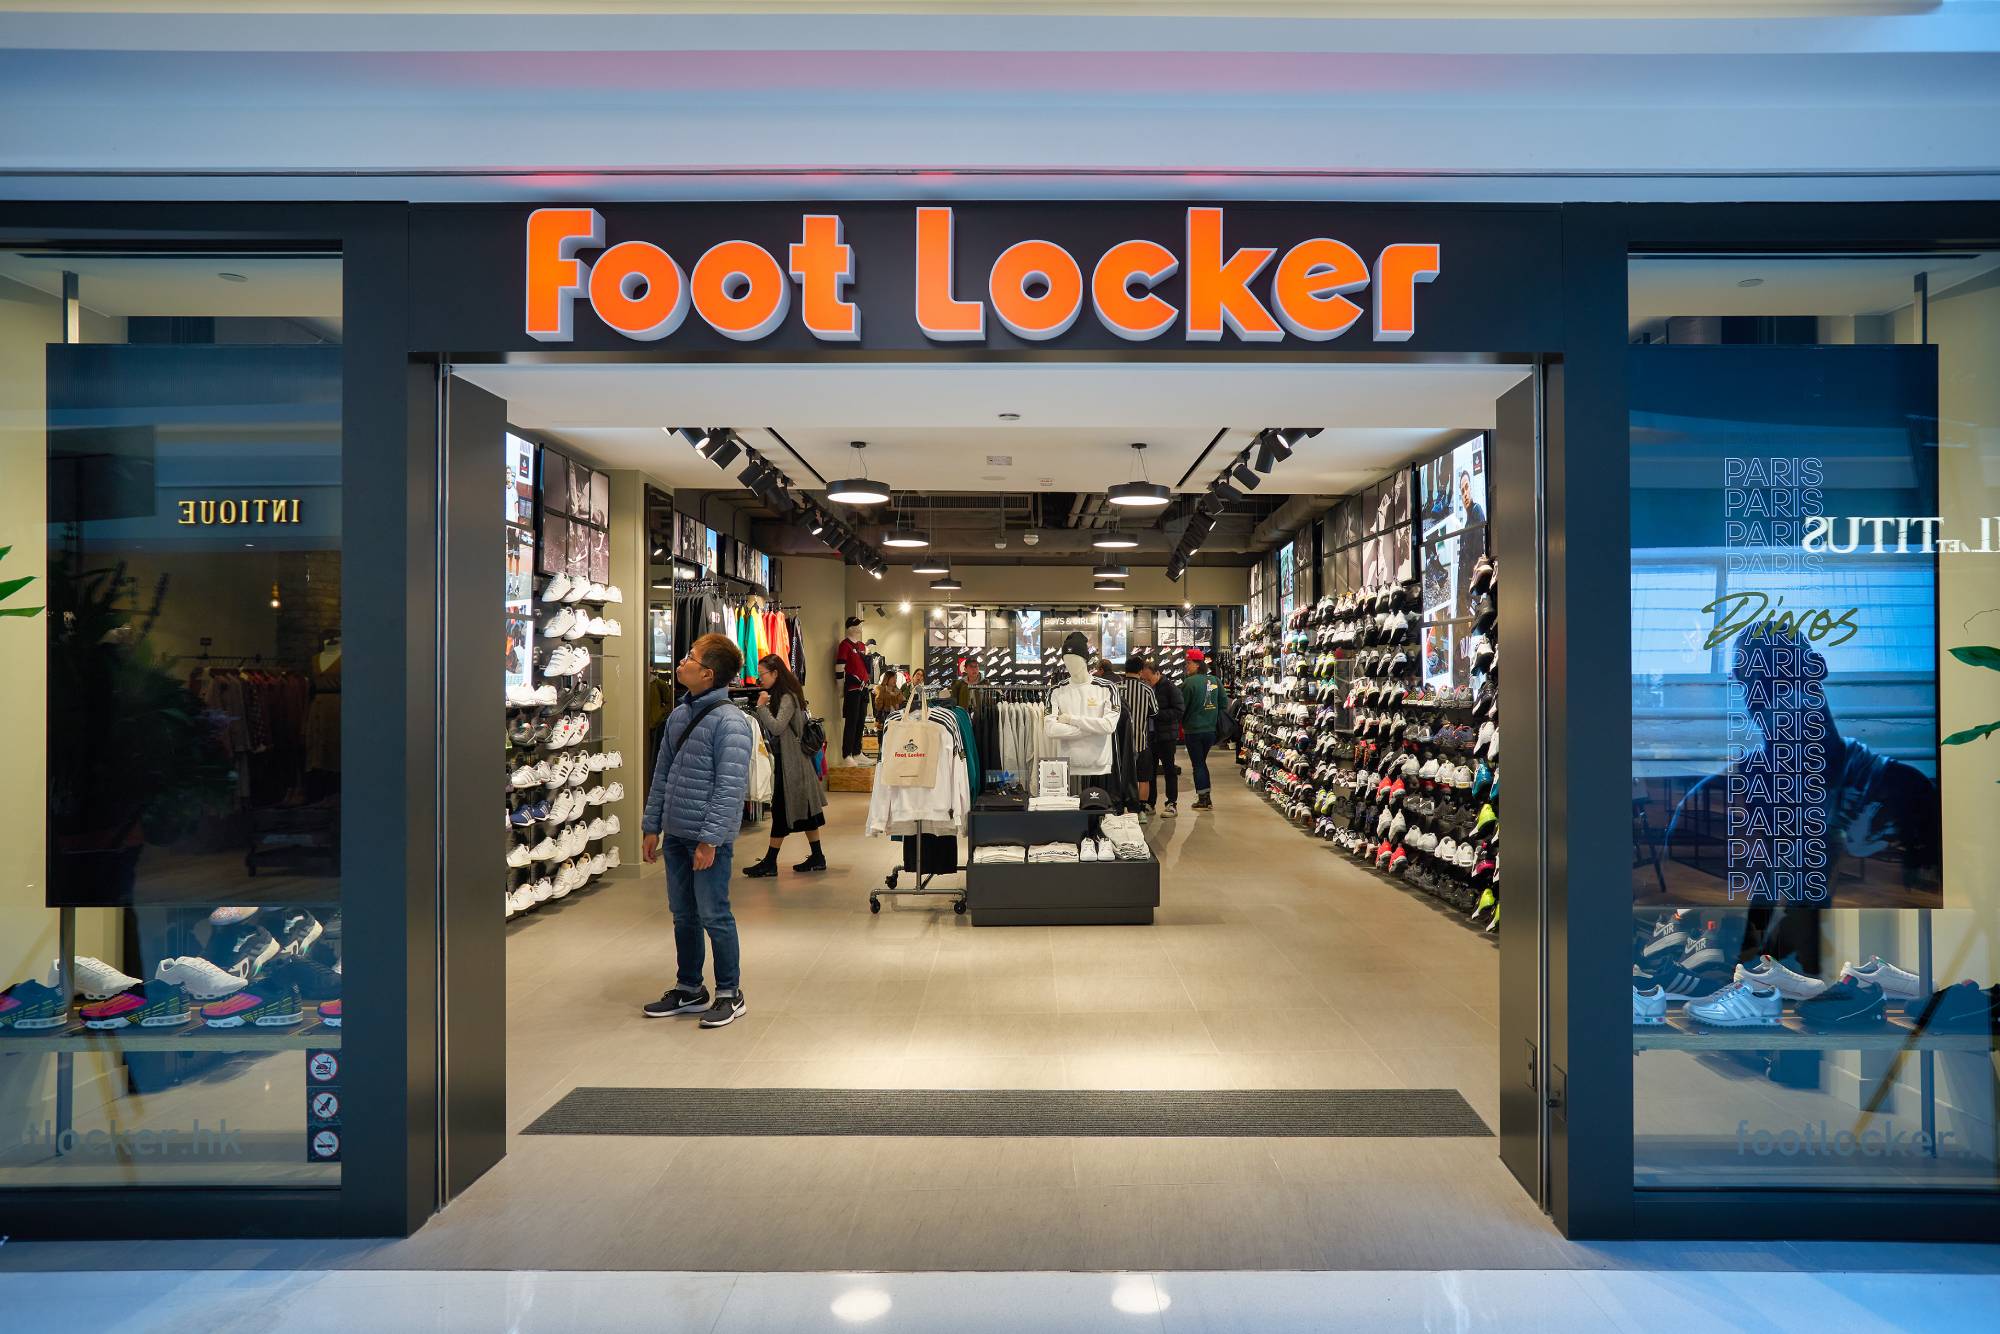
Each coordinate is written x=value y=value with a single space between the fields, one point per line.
x=694 y=810
x=1201 y=697
x=797 y=805
x=961 y=689
x=850 y=657
x=1168 y=709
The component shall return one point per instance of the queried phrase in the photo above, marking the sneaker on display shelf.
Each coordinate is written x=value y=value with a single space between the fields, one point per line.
x=615 y=792
x=613 y=857
x=154 y=1004
x=329 y=1014
x=313 y=982
x=199 y=978
x=556 y=588
x=612 y=823
x=611 y=593
x=298 y=930
x=1649 y=1006
x=1768 y=972
x=1963 y=1007
x=545 y=695
x=96 y=979
x=244 y=950
x=520 y=696
x=231 y=916
x=261 y=1007
x=1894 y=981
x=593 y=593
x=600 y=863
x=580 y=625
x=593 y=701
x=596 y=828
x=1739 y=1005
x=34 y=1007
x=545 y=889
x=543 y=851
x=612 y=628
x=576 y=590
x=525 y=776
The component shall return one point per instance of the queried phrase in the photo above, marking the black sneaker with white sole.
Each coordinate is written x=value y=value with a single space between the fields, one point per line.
x=680 y=1000
x=728 y=1005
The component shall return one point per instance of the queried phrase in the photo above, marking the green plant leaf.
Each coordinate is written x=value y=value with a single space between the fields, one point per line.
x=1979 y=655
x=1971 y=734
x=9 y=587
x=4 y=551
x=20 y=611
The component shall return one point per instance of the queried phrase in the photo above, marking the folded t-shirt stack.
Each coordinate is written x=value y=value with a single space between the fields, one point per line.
x=1053 y=852
x=1127 y=839
x=1000 y=852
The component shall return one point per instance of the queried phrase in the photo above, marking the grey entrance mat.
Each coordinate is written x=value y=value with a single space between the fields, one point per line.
x=1410 y=1113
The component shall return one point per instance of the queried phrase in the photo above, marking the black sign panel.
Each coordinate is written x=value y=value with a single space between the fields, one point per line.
x=1240 y=279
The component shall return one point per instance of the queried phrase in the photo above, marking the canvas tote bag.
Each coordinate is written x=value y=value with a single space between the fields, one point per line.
x=910 y=749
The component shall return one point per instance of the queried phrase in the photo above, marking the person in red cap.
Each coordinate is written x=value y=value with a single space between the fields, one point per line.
x=1203 y=696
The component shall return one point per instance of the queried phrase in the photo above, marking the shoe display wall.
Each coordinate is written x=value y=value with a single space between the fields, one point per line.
x=556 y=747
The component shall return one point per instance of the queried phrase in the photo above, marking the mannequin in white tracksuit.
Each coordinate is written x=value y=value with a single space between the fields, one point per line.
x=1083 y=720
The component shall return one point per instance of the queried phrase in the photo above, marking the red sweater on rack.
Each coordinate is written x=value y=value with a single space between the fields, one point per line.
x=848 y=655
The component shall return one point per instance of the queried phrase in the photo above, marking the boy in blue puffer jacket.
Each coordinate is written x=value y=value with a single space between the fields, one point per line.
x=696 y=802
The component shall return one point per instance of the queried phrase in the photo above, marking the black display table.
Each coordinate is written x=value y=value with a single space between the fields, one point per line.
x=1053 y=894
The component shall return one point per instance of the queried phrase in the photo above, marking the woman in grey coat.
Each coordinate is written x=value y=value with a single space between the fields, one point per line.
x=797 y=806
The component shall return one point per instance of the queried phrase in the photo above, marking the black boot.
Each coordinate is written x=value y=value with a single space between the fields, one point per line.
x=769 y=866
x=816 y=862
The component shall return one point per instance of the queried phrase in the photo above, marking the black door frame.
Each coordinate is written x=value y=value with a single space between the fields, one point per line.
x=396 y=590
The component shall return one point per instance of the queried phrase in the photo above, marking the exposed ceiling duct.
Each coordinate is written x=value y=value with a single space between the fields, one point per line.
x=1281 y=523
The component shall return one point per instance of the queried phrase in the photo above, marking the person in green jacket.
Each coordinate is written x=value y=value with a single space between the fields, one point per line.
x=1204 y=711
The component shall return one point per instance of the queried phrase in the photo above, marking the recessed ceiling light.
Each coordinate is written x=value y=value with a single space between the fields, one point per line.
x=1749 y=282
x=233 y=277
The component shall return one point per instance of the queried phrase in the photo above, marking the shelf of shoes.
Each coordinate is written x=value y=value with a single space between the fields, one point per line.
x=1260 y=686
x=1894 y=1033
x=74 y=1037
x=561 y=768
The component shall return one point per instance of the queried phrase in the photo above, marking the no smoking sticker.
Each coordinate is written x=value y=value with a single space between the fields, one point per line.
x=326 y=1146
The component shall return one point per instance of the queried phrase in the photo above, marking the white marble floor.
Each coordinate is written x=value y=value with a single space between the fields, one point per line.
x=383 y=1302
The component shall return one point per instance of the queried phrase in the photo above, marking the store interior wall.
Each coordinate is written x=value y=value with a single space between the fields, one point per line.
x=29 y=321
x=625 y=656
x=899 y=635
x=817 y=585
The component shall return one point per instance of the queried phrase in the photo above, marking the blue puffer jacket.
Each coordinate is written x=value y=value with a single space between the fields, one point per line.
x=698 y=793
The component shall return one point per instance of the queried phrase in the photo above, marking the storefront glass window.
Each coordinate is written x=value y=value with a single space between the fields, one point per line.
x=170 y=628
x=1816 y=720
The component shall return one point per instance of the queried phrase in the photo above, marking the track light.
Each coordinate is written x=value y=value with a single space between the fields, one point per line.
x=697 y=436
x=857 y=490
x=1142 y=493
x=722 y=448
x=755 y=473
x=1245 y=477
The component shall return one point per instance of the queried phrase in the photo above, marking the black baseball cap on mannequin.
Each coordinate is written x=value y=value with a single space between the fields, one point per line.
x=1075 y=645
x=852 y=621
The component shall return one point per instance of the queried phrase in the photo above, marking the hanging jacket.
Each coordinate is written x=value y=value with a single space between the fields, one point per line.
x=1082 y=722
x=939 y=808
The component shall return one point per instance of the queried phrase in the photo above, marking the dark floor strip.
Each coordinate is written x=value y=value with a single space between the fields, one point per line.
x=1418 y=1113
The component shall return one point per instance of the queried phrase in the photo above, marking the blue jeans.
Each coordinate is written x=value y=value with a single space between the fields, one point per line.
x=1198 y=745
x=700 y=901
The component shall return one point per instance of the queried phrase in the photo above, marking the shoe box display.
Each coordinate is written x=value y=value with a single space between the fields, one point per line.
x=1678 y=960
x=260 y=967
x=1343 y=736
x=561 y=777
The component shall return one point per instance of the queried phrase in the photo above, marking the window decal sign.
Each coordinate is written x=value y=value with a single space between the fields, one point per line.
x=1037 y=289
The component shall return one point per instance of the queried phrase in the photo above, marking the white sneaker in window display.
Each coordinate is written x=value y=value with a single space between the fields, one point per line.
x=556 y=588
x=1768 y=972
x=594 y=797
x=98 y=980
x=546 y=696
x=1740 y=1005
x=1649 y=1007
x=596 y=828
x=519 y=855
x=579 y=776
x=199 y=978
x=520 y=696
x=565 y=880
x=558 y=770
x=615 y=760
x=1894 y=981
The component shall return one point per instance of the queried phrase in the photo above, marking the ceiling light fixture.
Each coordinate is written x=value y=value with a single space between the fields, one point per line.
x=1111 y=570
x=1112 y=539
x=904 y=606
x=1140 y=494
x=858 y=490
x=723 y=447
x=1244 y=475
x=948 y=584
x=931 y=565
x=905 y=537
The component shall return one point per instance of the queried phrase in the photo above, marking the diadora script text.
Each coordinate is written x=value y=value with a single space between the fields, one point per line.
x=1036 y=289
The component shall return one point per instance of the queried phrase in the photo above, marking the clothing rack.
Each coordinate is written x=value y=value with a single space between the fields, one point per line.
x=918 y=705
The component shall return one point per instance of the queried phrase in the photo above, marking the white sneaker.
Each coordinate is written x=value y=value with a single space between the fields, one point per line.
x=613 y=857
x=558 y=771
x=594 y=797
x=519 y=855
x=98 y=980
x=611 y=827
x=1894 y=981
x=598 y=864
x=544 y=890
x=579 y=627
x=616 y=792
x=593 y=701
x=544 y=851
x=1741 y=1005
x=597 y=828
x=593 y=593
x=579 y=775
x=611 y=628
x=545 y=695
x=1768 y=972
x=565 y=880
x=595 y=761
x=615 y=760
x=525 y=776
x=558 y=625
x=575 y=592
x=611 y=593
x=520 y=696
x=1649 y=1006
x=556 y=589
x=199 y=978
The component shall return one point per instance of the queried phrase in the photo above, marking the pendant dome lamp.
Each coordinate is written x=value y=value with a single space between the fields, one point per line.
x=857 y=490
x=1111 y=570
x=1143 y=493
x=1114 y=539
x=931 y=565
x=948 y=584
x=901 y=535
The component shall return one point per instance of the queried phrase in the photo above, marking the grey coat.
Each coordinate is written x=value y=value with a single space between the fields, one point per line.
x=803 y=798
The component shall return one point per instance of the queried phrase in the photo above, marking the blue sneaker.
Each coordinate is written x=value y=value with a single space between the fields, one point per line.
x=538 y=811
x=523 y=816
